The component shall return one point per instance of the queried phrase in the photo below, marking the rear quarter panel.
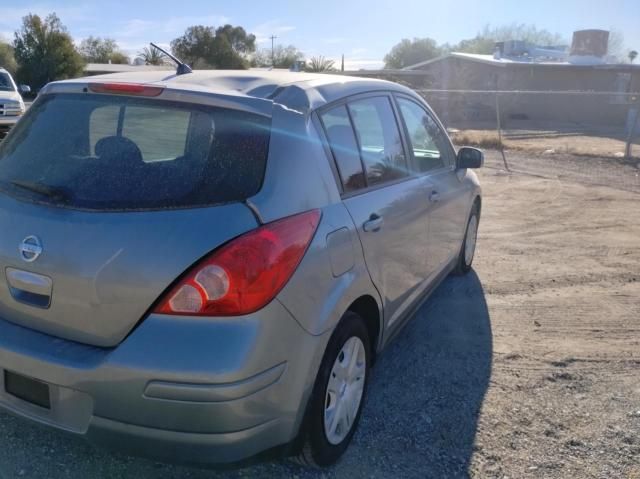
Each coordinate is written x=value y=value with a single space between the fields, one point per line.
x=298 y=176
x=318 y=295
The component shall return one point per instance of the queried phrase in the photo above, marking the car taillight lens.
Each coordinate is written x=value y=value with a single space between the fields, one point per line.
x=245 y=274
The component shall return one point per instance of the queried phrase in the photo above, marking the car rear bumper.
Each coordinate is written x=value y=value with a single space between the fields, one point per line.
x=178 y=389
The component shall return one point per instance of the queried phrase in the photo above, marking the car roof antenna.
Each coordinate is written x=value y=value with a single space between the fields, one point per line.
x=182 y=69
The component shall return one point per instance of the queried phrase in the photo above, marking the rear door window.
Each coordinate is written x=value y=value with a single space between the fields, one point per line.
x=379 y=139
x=344 y=147
x=116 y=152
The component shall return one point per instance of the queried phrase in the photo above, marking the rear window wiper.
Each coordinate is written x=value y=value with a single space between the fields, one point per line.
x=56 y=194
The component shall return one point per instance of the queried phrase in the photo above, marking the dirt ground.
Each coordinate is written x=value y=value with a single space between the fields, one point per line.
x=559 y=260
x=529 y=367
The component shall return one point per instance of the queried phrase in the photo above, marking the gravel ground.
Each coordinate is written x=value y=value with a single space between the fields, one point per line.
x=618 y=173
x=527 y=367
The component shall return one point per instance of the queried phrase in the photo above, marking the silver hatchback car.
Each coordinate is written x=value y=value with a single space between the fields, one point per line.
x=203 y=267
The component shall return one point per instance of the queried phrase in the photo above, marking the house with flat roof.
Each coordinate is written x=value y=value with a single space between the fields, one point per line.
x=522 y=68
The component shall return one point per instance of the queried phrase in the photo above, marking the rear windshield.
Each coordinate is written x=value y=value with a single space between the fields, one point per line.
x=108 y=152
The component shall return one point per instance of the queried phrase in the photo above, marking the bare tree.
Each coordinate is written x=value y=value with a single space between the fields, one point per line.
x=101 y=50
x=281 y=57
x=615 y=47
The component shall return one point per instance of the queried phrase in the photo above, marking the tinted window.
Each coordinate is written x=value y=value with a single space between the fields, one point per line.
x=146 y=126
x=103 y=123
x=344 y=147
x=5 y=82
x=431 y=149
x=110 y=152
x=379 y=139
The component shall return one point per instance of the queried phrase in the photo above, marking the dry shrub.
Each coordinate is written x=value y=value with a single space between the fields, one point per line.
x=480 y=139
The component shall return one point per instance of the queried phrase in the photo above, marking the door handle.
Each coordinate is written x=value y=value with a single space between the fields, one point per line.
x=374 y=223
x=434 y=196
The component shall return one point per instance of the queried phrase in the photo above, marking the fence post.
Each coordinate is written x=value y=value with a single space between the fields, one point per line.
x=499 y=127
x=632 y=130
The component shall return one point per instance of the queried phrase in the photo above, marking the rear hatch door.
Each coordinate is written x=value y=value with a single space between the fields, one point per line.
x=104 y=269
x=105 y=200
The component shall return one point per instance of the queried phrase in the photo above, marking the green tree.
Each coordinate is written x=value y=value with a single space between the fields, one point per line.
x=484 y=42
x=45 y=51
x=409 y=52
x=632 y=55
x=206 y=47
x=478 y=44
x=119 y=58
x=320 y=64
x=152 y=56
x=225 y=57
x=101 y=50
x=7 y=58
x=196 y=46
x=241 y=42
x=283 y=57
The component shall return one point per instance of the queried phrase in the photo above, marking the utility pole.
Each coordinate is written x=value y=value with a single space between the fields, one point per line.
x=273 y=55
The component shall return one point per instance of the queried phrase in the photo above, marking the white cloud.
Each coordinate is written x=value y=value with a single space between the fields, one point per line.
x=133 y=28
x=334 y=40
x=174 y=27
x=177 y=25
x=11 y=17
x=135 y=34
x=273 y=27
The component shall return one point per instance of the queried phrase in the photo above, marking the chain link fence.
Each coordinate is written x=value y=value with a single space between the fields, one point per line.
x=595 y=135
x=583 y=123
x=592 y=134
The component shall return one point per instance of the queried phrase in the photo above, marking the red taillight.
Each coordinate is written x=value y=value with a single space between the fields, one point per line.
x=126 y=89
x=246 y=273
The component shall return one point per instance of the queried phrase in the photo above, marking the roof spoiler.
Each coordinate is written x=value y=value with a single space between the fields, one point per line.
x=182 y=68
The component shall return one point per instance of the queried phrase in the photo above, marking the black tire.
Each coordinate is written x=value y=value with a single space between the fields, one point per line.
x=462 y=266
x=316 y=450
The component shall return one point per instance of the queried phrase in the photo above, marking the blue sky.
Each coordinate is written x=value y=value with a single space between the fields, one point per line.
x=363 y=30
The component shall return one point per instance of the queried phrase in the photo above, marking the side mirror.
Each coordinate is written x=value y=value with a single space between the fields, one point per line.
x=24 y=89
x=470 y=158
